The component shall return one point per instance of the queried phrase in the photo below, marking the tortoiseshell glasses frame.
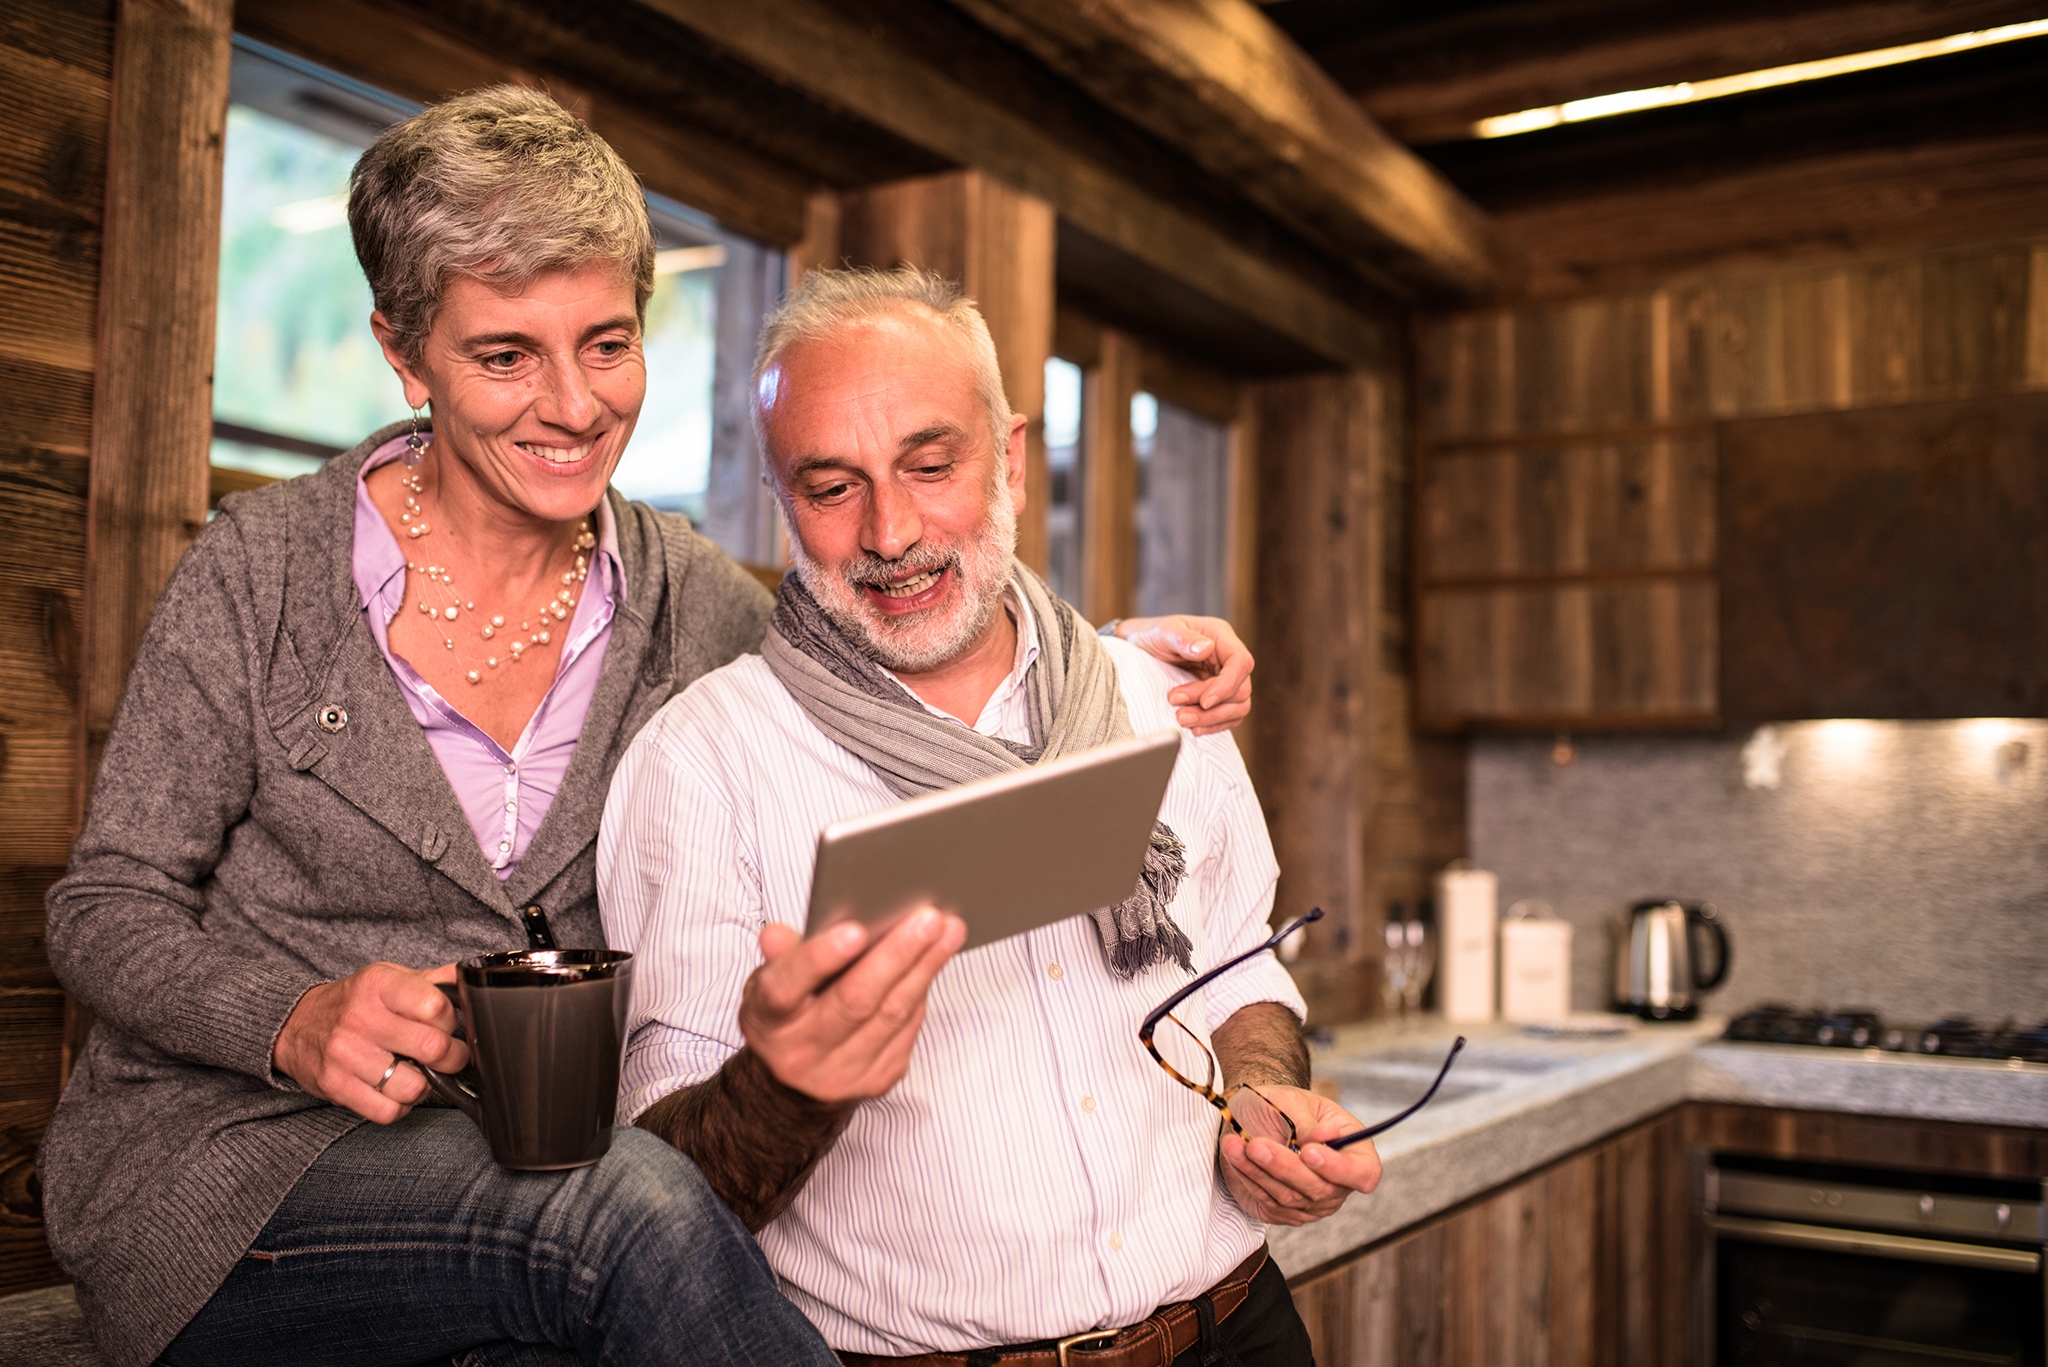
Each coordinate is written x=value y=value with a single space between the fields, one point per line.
x=1268 y=1121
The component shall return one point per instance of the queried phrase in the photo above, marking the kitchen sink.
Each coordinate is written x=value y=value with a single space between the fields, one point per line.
x=1377 y=1084
x=1372 y=1094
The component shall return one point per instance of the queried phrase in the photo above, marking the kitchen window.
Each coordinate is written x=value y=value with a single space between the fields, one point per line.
x=1063 y=464
x=1182 y=509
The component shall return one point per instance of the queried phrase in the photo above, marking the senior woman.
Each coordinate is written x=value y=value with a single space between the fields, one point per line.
x=369 y=733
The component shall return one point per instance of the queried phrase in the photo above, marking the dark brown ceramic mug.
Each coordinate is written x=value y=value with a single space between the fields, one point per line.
x=546 y=1031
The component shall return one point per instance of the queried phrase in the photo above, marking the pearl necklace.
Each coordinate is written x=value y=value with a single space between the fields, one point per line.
x=552 y=613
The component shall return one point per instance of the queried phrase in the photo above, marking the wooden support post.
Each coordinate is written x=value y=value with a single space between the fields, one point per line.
x=1109 y=479
x=152 y=419
x=998 y=243
x=153 y=402
x=1241 y=543
x=1322 y=443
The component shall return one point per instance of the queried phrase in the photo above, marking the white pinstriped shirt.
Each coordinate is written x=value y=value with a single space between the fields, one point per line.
x=1035 y=1173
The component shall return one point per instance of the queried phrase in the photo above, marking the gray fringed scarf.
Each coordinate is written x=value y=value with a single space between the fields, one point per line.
x=1075 y=706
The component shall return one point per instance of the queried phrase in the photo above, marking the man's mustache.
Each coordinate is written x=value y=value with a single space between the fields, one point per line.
x=872 y=571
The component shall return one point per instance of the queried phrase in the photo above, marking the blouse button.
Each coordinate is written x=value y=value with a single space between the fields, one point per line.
x=1088 y=1103
x=1055 y=972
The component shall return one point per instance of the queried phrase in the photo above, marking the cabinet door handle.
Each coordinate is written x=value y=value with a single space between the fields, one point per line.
x=1899 y=1246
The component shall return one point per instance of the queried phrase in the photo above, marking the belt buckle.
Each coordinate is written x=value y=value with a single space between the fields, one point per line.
x=1083 y=1337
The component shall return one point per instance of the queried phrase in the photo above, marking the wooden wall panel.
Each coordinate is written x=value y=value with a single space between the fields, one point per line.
x=998 y=243
x=57 y=58
x=1952 y=323
x=1323 y=444
x=1586 y=1263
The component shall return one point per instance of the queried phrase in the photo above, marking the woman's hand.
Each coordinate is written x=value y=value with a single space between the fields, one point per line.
x=342 y=1035
x=1274 y=1184
x=1206 y=646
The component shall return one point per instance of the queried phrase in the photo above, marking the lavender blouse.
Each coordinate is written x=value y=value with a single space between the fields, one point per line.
x=505 y=794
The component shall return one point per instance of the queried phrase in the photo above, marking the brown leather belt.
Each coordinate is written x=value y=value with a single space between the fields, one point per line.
x=1170 y=1331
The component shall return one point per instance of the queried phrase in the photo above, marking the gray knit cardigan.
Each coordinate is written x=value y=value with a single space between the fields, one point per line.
x=237 y=852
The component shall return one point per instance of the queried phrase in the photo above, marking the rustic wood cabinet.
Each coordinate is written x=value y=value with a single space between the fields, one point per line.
x=1585 y=470
x=1585 y=1262
x=1887 y=562
x=1600 y=1258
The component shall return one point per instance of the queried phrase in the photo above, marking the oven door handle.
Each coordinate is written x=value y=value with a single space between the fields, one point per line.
x=1899 y=1246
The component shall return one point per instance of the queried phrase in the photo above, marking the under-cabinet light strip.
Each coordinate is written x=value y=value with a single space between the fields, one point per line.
x=1686 y=92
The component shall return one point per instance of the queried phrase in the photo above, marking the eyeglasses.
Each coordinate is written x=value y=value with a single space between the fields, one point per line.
x=1187 y=1060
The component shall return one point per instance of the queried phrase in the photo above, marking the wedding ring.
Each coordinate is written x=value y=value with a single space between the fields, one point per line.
x=387 y=1073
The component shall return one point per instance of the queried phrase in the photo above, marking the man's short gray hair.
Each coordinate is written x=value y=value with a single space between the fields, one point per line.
x=828 y=300
x=502 y=184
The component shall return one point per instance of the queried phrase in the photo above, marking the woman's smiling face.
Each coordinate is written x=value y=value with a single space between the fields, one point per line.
x=534 y=393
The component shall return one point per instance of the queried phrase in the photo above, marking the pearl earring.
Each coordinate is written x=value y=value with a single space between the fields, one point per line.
x=415 y=444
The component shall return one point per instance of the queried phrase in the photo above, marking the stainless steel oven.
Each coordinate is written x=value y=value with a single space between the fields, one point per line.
x=1820 y=1266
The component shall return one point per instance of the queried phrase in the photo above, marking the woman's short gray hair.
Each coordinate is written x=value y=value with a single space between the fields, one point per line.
x=501 y=183
x=827 y=300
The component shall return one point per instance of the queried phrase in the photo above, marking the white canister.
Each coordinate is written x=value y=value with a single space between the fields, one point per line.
x=1466 y=911
x=1535 y=964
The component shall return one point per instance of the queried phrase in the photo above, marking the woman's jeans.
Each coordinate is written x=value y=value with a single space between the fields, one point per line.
x=406 y=1244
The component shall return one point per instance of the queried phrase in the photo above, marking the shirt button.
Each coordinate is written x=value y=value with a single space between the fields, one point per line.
x=512 y=806
x=1088 y=1103
x=1055 y=972
x=511 y=768
x=503 y=846
x=1116 y=1241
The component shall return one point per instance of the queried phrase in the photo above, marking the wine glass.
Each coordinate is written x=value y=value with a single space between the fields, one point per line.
x=1393 y=992
x=1420 y=946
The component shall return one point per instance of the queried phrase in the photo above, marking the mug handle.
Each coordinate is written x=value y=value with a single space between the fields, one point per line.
x=447 y=1086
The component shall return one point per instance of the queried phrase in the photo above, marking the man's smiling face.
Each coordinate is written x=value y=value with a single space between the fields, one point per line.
x=902 y=510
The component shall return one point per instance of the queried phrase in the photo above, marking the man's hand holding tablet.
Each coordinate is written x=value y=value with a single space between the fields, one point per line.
x=835 y=1016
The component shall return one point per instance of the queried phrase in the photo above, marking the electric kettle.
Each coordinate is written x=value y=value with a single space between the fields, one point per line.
x=1657 y=963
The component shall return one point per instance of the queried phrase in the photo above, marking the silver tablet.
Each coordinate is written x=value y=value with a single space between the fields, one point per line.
x=1009 y=853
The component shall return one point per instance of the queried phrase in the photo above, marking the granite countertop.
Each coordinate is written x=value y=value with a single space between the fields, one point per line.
x=1517 y=1101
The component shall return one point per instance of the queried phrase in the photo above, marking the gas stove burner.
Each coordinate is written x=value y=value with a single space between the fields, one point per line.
x=1951 y=1037
x=1771 y=1024
x=1848 y=1029
x=1956 y=1037
x=2030 y=1045
x=1775 y=1024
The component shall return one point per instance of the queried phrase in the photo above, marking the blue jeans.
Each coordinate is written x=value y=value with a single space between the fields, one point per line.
x=406 y=1244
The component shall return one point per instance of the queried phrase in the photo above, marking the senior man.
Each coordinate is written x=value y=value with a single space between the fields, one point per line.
x=991 y=1163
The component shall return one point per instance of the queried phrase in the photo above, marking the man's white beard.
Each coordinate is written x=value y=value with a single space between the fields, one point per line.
x=919 y=641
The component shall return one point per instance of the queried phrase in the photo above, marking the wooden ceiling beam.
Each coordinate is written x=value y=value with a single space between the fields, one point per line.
x=1218 y=80
x=817 y=50
x=1429 y=82
x=374 y=41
